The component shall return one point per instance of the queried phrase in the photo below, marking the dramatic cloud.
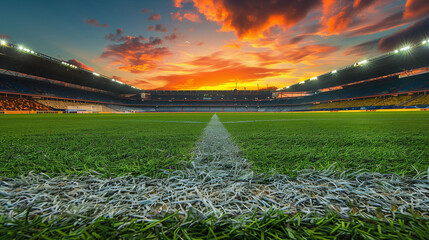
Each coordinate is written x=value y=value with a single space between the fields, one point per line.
x=230 y=74
x=338 y=15
x=200 y=44
x=145 y=10
x=155 y=17
x=416 y=8
x=80 y=64
x=95 y=23
x=362 y=49
x=412 y=34
x=251 y=17
x=4 y=36
x=135 y=54
x=150 y=28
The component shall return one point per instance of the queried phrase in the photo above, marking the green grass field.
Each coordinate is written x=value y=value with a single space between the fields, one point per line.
x=395 y=142
x=110 y=144
x=141 y=144
x=386 y=142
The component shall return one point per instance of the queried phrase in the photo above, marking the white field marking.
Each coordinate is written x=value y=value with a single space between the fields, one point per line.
x=219 y=181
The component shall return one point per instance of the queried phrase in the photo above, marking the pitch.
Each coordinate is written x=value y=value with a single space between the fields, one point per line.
x=117 y=144
x=215 y=176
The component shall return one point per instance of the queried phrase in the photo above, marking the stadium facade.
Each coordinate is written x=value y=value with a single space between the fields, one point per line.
x=32 y=81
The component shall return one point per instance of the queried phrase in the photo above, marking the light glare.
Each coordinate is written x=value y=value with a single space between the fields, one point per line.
x=363 y=62
x=335 y=71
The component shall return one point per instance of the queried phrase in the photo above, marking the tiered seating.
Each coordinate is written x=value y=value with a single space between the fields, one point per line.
x=16 y=103
x=421 y=101
x=393 y=100
x=366 y=102
x=63 y=105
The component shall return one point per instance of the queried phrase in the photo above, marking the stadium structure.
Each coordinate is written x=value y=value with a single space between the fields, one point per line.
x=32 y=82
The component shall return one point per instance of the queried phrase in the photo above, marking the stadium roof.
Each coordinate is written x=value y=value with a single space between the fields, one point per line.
x=405 y=58
x=23 y=60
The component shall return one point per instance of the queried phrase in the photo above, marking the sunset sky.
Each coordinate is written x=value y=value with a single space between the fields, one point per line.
x=214 y=44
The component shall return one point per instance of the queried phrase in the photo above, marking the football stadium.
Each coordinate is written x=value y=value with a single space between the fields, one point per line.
x=334 y=153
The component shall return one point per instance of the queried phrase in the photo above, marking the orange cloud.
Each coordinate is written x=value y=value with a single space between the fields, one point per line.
x=80 y=64
x=176 y=16
x=338 y=15
x=178 y=3
x=234 y=44
x=134 y=54
x=218 y=77
x=193 y=17
x=217 y=70
x=416 y=8
x=251 y=17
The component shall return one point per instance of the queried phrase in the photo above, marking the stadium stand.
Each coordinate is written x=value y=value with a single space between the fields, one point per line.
x=67 y=105
x=20 y=103
x=422 y=100
x=365 y=102
x=393 y=80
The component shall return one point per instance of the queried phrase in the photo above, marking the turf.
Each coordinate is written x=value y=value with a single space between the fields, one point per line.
x=386 y=142
x=274 y=225
x=111 y=144
x=144 y=143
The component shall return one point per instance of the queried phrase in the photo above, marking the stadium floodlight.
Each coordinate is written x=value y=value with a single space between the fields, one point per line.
x=424 y=42
x=314 y=78
x=302 y=82
x=96 y=74
x=405 y=48
x=3 y=42
x=363 y=62
x=288 y=87
x=396 y=51
x=20 y=47
x=335 y=71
